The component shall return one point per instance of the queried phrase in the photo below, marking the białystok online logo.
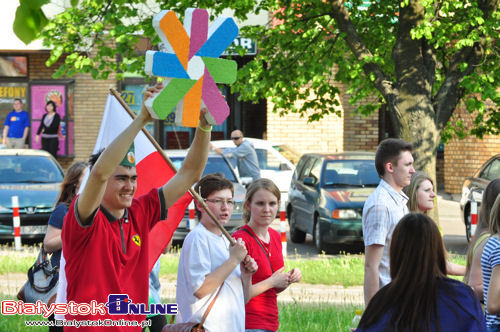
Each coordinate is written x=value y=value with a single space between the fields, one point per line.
x=118 y=304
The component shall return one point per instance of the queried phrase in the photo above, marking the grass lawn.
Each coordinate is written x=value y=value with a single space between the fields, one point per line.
x=293 y=317
x=345 y=269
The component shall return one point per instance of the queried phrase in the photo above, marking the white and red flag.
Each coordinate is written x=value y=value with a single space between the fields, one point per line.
x=152 y=170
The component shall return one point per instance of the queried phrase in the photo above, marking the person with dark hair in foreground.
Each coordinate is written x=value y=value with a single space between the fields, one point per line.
x=420 y=297
x=52 y=241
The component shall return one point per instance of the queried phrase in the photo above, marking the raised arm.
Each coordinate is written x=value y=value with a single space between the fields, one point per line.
x=193 y=165
x=93 y=192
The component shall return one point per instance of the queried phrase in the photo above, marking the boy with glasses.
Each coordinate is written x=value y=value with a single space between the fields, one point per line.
x=245 y=155
x=208 y=263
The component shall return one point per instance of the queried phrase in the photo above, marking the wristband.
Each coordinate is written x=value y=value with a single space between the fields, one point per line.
x=205 y=130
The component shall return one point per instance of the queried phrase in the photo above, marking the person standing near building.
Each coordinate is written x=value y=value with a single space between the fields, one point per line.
x=383 y=209
x=17 y=125
x=244 y=152
x=49 y=129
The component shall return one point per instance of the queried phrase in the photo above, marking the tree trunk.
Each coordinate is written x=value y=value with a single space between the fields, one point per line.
x=417 y=126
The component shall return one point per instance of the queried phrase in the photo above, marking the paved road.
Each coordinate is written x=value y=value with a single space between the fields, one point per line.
x=449 y=218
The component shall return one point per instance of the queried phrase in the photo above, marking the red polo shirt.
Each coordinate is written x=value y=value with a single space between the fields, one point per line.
x=110 y=256
x=261 y=312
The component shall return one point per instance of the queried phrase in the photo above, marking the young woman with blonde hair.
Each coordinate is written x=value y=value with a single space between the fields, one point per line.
x=264 y=245
x=421 y=198
x=490 y=266
x=473 y=273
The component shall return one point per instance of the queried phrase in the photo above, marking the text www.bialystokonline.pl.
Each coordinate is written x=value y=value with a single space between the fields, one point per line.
x=86 y=323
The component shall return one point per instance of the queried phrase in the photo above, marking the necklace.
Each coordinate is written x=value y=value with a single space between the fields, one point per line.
x=266 y=246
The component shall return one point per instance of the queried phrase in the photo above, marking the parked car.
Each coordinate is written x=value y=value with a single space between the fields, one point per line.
x=216 y=163
x=35 y=177
x=287 y=152
x=327 y=195
x=474 y=186
x=272 y=164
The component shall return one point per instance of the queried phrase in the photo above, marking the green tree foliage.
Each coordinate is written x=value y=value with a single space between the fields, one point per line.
x=421 y=58
x=29 y=19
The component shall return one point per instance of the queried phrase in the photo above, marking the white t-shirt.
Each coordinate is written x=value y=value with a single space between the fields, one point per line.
x=202 y=253
x=383 y=210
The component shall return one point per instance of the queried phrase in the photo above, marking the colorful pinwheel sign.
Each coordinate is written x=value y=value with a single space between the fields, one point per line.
x=191 y=66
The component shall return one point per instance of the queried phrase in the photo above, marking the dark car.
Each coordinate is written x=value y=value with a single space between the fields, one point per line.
x=216 y=163
x=35 y=177
x=474 y=186
x=327 y=195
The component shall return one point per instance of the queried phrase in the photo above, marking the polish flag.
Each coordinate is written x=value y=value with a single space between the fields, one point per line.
x=152 y=170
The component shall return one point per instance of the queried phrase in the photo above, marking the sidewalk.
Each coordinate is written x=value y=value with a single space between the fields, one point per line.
x=10 y=283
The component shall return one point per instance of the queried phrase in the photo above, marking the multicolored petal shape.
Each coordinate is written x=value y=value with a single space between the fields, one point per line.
x=192 y=66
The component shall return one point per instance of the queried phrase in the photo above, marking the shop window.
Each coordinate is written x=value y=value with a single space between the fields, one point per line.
x=62 y=94
x=13 y=66
x=8 y=93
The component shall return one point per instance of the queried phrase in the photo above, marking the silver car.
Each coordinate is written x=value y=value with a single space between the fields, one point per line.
x=216 y=163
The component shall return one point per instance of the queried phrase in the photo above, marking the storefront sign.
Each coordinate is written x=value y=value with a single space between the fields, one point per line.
x=248 y=44
x=12 y=92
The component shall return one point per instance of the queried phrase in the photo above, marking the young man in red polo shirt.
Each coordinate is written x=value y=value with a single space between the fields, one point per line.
x=105 y=233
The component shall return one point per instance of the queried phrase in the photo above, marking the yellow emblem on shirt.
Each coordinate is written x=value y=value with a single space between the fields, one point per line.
x=137 y=240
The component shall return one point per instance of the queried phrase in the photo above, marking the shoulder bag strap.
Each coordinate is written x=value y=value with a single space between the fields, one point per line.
x=200 y=324
x=260 y=245
x=480 y=239
x=210 y=307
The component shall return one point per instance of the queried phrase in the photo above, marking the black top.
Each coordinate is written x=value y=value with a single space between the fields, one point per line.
x=53 y=128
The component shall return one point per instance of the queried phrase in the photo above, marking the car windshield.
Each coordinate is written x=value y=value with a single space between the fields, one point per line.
x=288 y=152
x=29 y=169
x=350 y=173
x=214 y=165
x=267 y=161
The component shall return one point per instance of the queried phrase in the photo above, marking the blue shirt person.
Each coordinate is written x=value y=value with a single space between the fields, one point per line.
x=245 y=155
x=16 y=127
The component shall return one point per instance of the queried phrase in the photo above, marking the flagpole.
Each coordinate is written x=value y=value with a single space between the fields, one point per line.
x=198 y=198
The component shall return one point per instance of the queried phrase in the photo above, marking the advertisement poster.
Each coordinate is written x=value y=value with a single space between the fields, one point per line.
x=40 y=95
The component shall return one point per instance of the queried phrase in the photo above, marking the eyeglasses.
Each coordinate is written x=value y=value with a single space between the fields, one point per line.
x=235 y=138
x=220 y=202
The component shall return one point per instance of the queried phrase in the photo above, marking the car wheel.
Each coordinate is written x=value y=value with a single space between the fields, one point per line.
x=468 y=232
x=318 y=243
x=296 y=235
